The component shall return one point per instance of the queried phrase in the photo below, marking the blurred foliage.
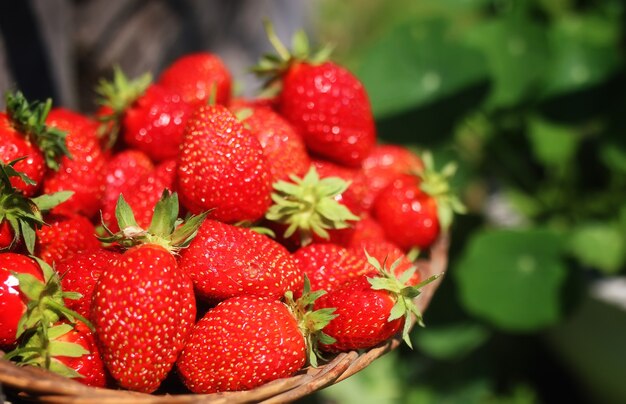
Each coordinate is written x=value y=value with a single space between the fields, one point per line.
x=529 y=97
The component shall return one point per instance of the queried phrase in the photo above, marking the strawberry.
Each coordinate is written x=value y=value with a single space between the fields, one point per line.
x=222 y=167
x=80 y=273
x=195 y=76
x=371 y=309
x=282 y=145
x=50 y=335
x=154 y=123
x=387 y=252
x=12 y=300
x=116 y=97
x=353 y=196
x=412 y=210
x=20 y=216
x=366 y=230
x=123 y=172
x=23 y=134
x=143 y=304
x=69 y=350
x=383 y=165
x=323 y=101
x=84 y=172
x=328 y=266
x=143 y=196
x=247 y=341
x=225 y=261
x=65 y=235
x=309 y=207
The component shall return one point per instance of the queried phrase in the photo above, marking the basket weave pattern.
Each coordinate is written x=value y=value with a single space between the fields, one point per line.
x=38 y=384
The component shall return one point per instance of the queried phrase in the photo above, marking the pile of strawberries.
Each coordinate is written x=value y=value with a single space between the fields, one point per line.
x=229 y=242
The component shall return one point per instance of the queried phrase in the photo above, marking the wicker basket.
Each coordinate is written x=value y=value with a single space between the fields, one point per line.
x=37 y=384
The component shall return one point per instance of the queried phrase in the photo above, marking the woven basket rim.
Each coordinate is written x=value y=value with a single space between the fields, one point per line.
x=44 y=386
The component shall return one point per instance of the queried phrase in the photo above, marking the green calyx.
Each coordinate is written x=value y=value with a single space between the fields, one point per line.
x=273 y=66
x=437 y=185
x=308 y=206
x=41 y=348
x=118 y=94
x=24 y=214
x=29 y=118
x=38 y=336
x=403 y=295
x=166 y=229
x=311 y=322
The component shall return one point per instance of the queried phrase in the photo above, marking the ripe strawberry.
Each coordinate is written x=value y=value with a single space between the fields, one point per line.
x=143 y=304
x=84 y=172
x=328 y=266
x=154 y=123
x=309 y=207
x=12 y=300
x=221 y=167
x=80 y=273
x=64 y=236
x=123 y=172
x=383 y=165
x=387 y=252
x=143 y=196
x=325 y=102
x=366 y=230
x=353 y=196
x=69 y=349
x=282 y=145
x=23 y=133
x=225 y=261
x=44 y=340
x=413 y=210
x=194 y=76
x=247 y=341
x=371 y=309
x=20 y=216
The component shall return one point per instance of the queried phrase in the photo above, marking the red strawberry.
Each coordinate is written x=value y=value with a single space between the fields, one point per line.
x=225 y=261
x=328 y=266
x=83 y=173
x=64 y=236
x=282 y=145
x=325 y=102
x=309 y=207
x=71 y=351
x=123 y=172
x=23 y=133
x=353 y=196
x=366 y=230
x=143 y=305
x=413 y=210
x=155 y=122
x=143 y=196
x=383 y=165
x=193 y=76
x=80 y=273
x=12 y=300
x=246 y=341
x=51 y=336
x=387 y=253
x=221 y=167
x=370 y=310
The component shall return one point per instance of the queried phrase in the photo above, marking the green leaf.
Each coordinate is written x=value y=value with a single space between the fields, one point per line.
x=517 y=54
x=513 y=278
x=415 y=64
x=62 y=348
x=124 y=214
x=599 y=245
x=63 y=370
x=584 y=51
x=553 y=145
x=452 y=341
x=49 y=201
